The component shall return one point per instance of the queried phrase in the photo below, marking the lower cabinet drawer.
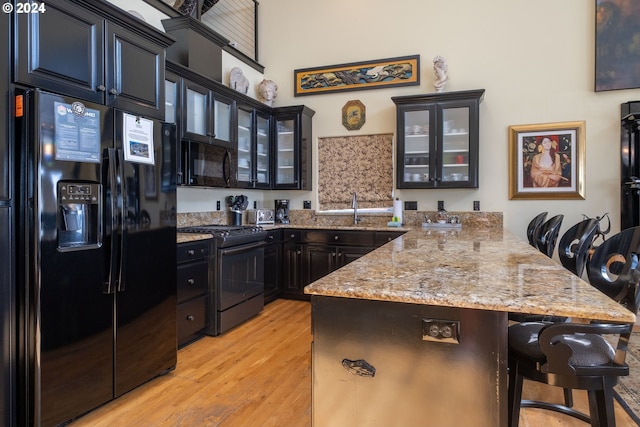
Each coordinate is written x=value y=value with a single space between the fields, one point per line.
x=192 y=318
x=193 y=279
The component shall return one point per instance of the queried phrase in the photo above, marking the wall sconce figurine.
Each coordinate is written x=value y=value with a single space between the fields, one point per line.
x=238 y=81
x=440 y=69
x=268 y=91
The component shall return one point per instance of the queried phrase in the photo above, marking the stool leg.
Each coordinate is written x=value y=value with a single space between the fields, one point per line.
x=601 y=407
x=568 y=398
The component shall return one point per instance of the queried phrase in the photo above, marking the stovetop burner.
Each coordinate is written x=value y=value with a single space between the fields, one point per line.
x=228 y=235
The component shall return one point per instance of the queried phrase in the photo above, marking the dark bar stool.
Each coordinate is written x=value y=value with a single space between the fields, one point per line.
x=533 y=229
x=551 y=354
x=548 y=235
x=575 y=244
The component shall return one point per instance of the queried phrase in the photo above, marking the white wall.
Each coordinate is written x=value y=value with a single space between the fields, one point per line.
x=535 y=60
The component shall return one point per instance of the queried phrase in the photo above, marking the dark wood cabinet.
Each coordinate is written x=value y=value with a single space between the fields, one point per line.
x=173 y=104
x=321 y=260
x=292 y=157
x=254 y=147
x=92 y=51
x=382 y=237
x=207 y=116
x=329 y=250
x=193 y=289
x=271 y=147
x=272 y=265
x=292 y=264
x=309 y=254
x=437 y=139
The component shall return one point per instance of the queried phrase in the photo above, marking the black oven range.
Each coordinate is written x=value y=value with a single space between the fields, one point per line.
x=237 y=291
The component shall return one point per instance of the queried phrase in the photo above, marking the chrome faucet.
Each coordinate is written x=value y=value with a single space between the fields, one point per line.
x=354 y=205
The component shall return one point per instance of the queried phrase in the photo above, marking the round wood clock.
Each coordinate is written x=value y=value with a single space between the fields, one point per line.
x=353 y=115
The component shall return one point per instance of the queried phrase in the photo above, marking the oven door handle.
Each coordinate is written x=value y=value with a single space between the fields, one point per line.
x=244 y=248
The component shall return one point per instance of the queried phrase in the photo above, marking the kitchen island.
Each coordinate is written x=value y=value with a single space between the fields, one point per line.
x=415 y=332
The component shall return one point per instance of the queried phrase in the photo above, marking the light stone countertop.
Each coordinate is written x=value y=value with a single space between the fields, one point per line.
x=486 y=269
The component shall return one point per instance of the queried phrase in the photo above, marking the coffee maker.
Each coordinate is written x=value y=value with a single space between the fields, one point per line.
x=282 y=211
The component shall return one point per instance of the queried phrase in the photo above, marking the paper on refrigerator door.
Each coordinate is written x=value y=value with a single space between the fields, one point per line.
x=137 y=137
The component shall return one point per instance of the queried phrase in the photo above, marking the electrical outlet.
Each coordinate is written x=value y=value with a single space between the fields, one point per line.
x=217 y=205
x=439 y=330
x=410 y=206
x=440 y=205
x=306 y=204
x=476 y=205
x=255 y=204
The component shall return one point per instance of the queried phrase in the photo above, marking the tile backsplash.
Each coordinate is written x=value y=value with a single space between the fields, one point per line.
x=303 y=217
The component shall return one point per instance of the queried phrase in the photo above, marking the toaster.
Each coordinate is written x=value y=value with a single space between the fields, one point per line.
x=261 y=216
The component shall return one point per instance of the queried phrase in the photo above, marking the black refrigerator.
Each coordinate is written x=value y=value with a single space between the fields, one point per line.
x=7 y=249
x=97 y=238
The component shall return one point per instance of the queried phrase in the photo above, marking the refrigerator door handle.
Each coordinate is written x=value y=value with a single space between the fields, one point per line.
x=112 y=203
x=123 y=221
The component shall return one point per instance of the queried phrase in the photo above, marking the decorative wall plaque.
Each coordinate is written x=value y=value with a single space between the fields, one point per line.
x=353 y=115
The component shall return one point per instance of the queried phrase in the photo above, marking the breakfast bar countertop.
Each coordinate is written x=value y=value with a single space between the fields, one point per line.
x=475 y=268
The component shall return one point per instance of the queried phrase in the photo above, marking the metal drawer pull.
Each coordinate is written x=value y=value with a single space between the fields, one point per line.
x=359 y=367
x=191 y=281
x=190 y=318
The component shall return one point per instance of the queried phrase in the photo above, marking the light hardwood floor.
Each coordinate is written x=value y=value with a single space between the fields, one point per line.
x=259 y=375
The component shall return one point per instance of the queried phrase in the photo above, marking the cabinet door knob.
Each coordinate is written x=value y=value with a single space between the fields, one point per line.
x=191 y=252
x=190 y=318
x=113 y=92
x=335 y=237
x=101 y=88
x=298 y=252
x=191 y=281
x=293 y=236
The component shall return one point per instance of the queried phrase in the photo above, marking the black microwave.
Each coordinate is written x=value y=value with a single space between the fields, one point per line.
x=208 y=165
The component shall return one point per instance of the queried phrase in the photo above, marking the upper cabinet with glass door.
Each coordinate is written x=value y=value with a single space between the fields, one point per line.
x=292 y=148
x=206 y=115
x=438 y=140
x=246 y=151
x=263 y=151
x=253 y=148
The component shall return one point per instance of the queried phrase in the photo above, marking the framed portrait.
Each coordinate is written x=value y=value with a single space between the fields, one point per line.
x=546 y=161
x=377 y=73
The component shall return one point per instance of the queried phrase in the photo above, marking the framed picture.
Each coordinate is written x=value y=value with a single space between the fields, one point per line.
x=617 y=59
x=546 y=161
x=353 y=115
x=379 y=73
